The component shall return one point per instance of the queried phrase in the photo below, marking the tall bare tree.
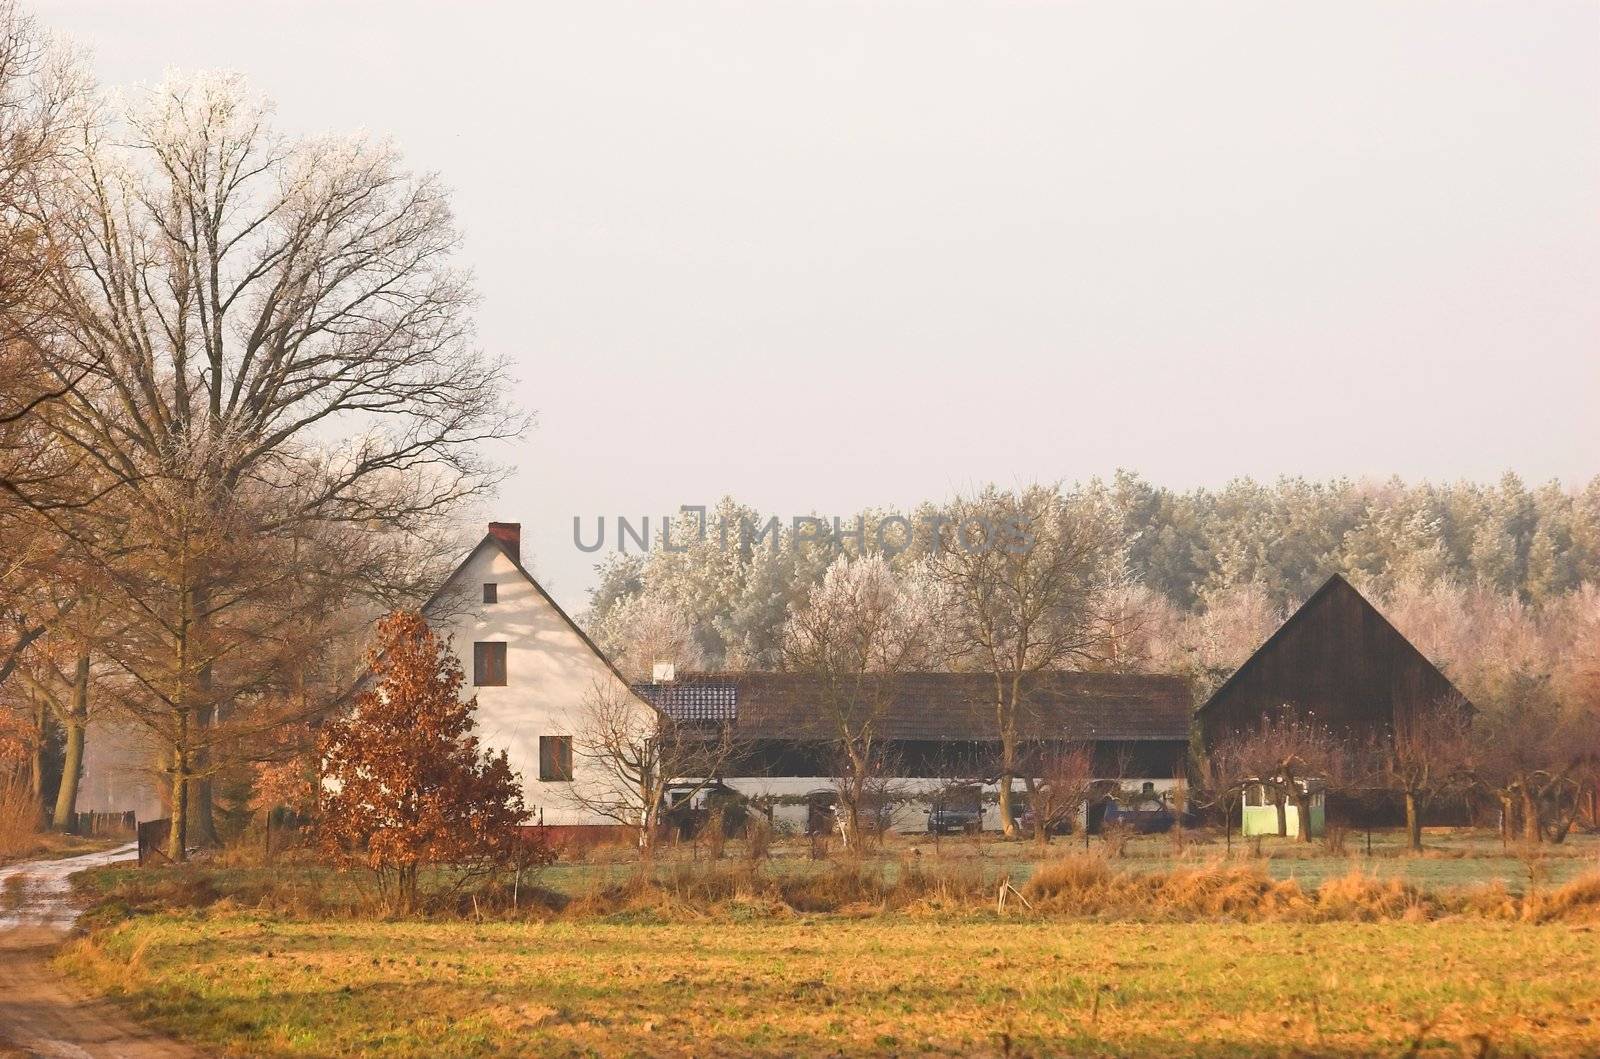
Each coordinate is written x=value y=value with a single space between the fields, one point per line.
x=260 y=334
x=1025 y=577
x=859 y=633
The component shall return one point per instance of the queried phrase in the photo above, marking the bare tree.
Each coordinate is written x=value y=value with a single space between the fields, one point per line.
x=1225 y=770
x=42 y=98
x=1530 y=751
x=635 y=752
x=859 y=633
x=856 y=637
x=1286 y=755
x=1424 y=753
x=1026 y=576
x=1060 y=781
x=257 y=332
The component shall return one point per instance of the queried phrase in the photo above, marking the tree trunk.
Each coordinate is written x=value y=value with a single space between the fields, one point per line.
x=202 y=818
x=77 y=724
x=66 y=812
x=1532 y=833
x=203 y=823
x=1281 y=803
x=1008 y=763
x=1007 y=824
x=1302 y=808
x=1413 y=823
x=178 y=833
x=36 y=763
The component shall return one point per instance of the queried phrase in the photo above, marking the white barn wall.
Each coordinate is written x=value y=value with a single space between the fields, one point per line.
x=910 y=813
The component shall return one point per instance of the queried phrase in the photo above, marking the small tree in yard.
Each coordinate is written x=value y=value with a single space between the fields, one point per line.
x=1060 y=783
x=1425 y=752
x=634 y=752
x=408 y=786
x=1283 y=755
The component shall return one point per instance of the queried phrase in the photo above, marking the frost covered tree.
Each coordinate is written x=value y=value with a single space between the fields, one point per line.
x=856 y=637
x=1025 y=578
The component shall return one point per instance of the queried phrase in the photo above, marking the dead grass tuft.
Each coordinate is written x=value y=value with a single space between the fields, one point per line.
x=1576 y=902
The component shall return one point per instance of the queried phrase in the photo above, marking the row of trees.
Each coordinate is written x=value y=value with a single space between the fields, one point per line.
x=1534 y=762
x=1193 y=554
x=240 y=409
x=1046 y=599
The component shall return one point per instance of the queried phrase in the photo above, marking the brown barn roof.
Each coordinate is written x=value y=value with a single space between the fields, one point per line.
x=955 y=707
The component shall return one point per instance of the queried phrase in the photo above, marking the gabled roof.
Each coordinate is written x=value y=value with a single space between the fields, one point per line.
x=1336 y=588
x=491 y=540
x=954 y=707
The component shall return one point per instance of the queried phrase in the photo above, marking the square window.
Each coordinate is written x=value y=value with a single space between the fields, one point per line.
x=491 y=592
x=555 y=758
x=489 y=664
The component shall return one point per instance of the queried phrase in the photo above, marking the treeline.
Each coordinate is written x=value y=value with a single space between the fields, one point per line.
x=1203 y=575
x=1533 y=543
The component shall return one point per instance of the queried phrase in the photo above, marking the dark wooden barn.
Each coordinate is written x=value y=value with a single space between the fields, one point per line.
x=1338 y=661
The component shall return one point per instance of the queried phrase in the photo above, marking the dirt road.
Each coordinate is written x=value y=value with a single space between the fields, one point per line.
x=40 y=1014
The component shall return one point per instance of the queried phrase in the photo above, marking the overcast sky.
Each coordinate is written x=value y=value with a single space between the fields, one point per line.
x=824 y=256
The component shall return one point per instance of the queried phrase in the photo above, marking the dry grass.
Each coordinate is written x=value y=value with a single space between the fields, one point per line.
x=19 y=820
x=1078 y=886
x=893 y=984
x=1576 y=902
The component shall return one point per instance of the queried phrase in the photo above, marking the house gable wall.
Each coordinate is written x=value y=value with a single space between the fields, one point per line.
x=551 y=669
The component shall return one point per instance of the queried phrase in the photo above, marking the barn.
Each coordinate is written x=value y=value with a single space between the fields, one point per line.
x=938 y=729
x=1337 y=661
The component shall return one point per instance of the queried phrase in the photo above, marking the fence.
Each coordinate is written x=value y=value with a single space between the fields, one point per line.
x=153 y=841
x=95 y=825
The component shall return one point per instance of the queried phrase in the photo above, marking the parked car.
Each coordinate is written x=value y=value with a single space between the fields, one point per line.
x=1146 y=818
x=687 y=808
x=960 y=813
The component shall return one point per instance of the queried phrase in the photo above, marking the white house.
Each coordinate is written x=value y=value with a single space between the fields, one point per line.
x=531 y=668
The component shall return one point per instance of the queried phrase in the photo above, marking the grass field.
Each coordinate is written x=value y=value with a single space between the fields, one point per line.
x=1469 y=950
x=1452 y=859
x=833 y=985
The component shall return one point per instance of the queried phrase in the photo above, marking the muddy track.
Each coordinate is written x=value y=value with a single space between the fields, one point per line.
x=41 y=1014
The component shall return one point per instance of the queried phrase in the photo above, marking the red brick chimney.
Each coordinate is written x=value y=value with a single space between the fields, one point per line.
x=509 y=534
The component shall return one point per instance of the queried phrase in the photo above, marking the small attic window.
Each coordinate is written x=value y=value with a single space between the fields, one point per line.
x=491 y=592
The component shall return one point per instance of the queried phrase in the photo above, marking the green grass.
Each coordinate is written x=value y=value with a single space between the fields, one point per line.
x=832 y=985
